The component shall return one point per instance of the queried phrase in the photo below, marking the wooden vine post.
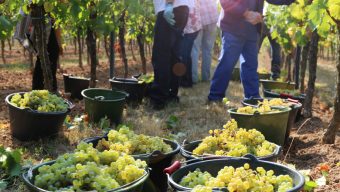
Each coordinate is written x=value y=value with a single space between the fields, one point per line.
x=38 y=21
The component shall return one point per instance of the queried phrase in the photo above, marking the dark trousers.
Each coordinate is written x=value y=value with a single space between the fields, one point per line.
x=276 y=53
x=186 y=47
x=165 y=54
x=53 y=54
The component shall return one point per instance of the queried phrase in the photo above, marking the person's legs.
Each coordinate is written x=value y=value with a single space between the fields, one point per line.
x=165 y=54
x=195 y=54
x=249 y=76
x=231 y=49
x=161 y=60
x=276 y=58
x=181 y=17
x=53 y=50
x=186 y=47
x=208 y=41
x=38 y=78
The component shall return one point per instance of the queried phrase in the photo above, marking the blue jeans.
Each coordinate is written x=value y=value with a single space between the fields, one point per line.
x=232 y=48
x=186 y=47
x=276 y=52
x=205 y=41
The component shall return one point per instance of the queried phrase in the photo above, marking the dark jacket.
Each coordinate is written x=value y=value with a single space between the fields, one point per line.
x=233 y=21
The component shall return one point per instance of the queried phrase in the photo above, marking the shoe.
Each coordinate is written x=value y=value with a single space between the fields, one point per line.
x=173 y=99
x=156 y=105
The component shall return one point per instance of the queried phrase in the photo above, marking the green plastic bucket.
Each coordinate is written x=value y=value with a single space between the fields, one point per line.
x=213 y=166
x=269 y=84
x=272 y=125
x=269 y=93
x=186 y=152
x=264 y=75
x=133 y=87
x=157 y=161
x=292 y=119
x=75 y=85
x=27 y=124
x=29 y=175
x=100 y=103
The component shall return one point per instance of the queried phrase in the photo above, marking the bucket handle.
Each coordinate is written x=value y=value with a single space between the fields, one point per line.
x=285 y=95
x=251 y=157
x=70 y=104
x=174 y=167
x=185 y=142
x=256 y=114
x=277 y=150
x=156 y=153
x=293 y=100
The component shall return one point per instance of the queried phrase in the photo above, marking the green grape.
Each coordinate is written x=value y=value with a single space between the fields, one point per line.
x=240 y=179
x=263 y=108
x=235 y=142
x=200 y=188
x=195 y=178
x=40 y=100
x=87 y=169
x=126 y=141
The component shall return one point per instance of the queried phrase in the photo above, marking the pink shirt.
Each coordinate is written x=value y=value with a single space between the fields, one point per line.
x=209 y=12
x=194 y=20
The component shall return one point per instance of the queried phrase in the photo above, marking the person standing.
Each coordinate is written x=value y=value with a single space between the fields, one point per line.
x=26 y=36
x=172 y=17
x=191 y=31
x=275 y=52
x=240 y=24
x=205 y=40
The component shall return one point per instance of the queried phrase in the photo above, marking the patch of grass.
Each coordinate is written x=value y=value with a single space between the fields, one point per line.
x=15 y=67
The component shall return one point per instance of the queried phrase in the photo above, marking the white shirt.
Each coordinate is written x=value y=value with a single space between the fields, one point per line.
x=160 y=4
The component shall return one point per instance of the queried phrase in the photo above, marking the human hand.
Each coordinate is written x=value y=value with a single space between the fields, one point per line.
x=253 y=17
x=169 y=14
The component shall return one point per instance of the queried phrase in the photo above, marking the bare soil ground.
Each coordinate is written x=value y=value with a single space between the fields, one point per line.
x=196 y=117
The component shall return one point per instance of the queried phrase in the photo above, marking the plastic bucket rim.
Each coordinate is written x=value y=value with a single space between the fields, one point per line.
x=284 y=110
x=294 y=106
x=7 y=100
x=187 y=153
x=300 y=176
x=126 y=82
x=113 y=100
x=173 y=152
x=272 y=81
x=70 y=76
x=301 y=96
x=35 y=167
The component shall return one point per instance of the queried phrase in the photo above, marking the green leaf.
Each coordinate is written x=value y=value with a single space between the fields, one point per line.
x=13 y=166
x=310 y=185
x=172 y=122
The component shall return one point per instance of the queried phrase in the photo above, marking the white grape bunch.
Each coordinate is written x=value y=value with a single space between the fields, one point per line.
x=240 y=179
x=39 y=100
x=235 y=142
x=88 y=169
x=126 y=141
